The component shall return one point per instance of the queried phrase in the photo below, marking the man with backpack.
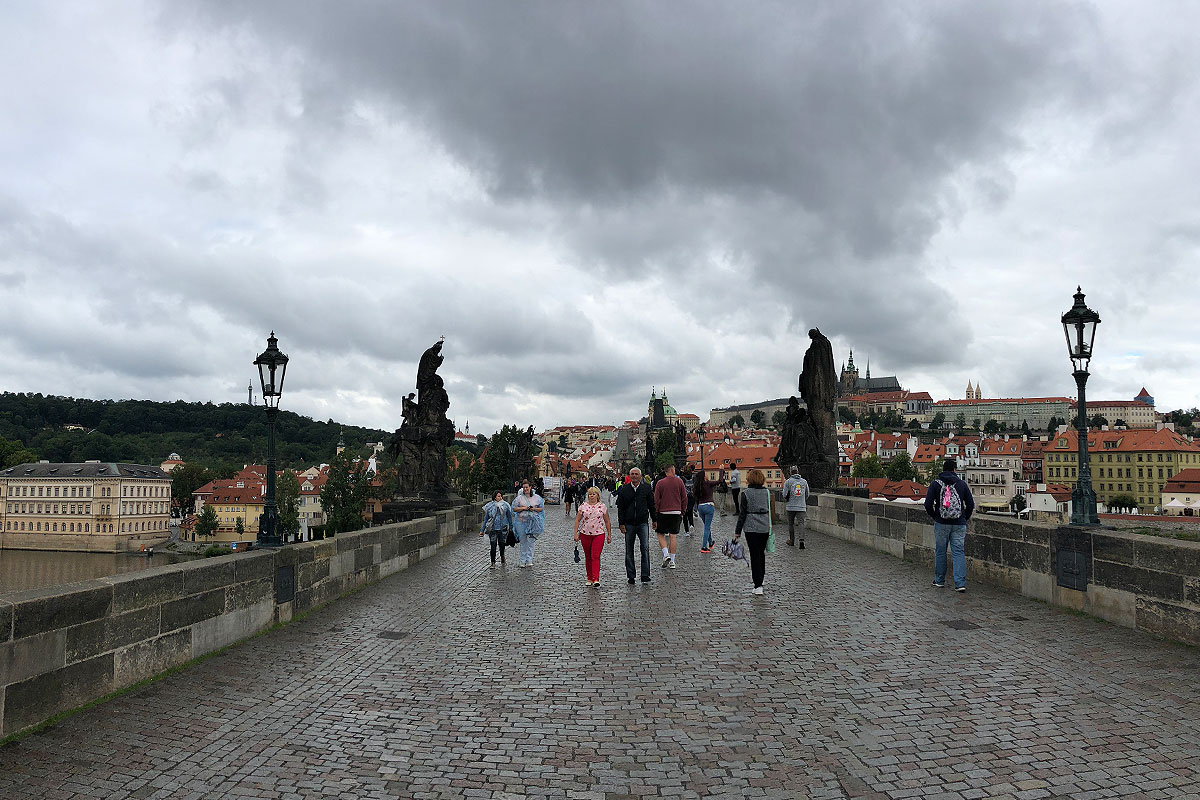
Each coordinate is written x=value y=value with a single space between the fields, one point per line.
x=950 y=504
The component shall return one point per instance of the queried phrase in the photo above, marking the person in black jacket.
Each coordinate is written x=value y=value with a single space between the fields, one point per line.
x=635 y=515
x=950 y=503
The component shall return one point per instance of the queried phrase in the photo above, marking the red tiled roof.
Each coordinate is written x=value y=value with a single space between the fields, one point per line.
x=1187 y=480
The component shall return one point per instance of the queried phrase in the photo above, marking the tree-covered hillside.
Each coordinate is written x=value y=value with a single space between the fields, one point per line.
x=146 y=432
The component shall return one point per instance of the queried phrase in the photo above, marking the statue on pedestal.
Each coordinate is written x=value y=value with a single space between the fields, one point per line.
x=814 y=438
x=419 y=445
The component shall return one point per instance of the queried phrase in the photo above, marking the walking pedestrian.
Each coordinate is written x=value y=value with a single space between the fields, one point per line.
x=795 y=494
x=530 y=521
x=568 y=497
x=950 y=503
x=704 y=489
x=670 y=501
x=593 y=530
x=754 y=518
x=735 y=487
x=635 y=516
x=497 y=522
x=689 y=516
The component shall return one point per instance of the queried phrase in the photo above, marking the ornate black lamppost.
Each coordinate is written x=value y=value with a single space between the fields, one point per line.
x=701 y=431
x=272 y=365
x=512 y=463
x=1079 y=325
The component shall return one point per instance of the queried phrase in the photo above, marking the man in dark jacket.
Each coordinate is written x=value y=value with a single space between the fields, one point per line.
x=635 y=515
x=950 y=504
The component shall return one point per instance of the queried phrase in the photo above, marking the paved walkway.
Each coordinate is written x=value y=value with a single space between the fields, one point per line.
x=843 y=681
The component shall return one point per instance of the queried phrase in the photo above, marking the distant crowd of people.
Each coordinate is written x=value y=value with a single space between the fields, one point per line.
x=670 y=504
x=666 y=506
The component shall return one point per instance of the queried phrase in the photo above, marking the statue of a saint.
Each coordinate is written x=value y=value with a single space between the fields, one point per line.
x=818 y=387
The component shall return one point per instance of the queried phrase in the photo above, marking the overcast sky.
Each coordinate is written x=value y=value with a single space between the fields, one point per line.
x=588 y=199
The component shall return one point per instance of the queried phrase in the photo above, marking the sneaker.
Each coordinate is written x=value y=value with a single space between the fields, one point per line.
x=631 y=581
x=493 y=565
x=757 y=590
x=705 y=549
x=666 y=561
x=937 y=585
x=671 y=564
x=646 y=580
x=960 y=588
x=596 y=584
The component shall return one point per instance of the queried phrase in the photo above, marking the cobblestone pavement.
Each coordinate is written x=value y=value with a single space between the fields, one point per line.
x=842 y=681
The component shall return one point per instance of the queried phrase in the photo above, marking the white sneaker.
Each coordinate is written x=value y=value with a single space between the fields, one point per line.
x=671 y=563
x=493 y=566
x=757 y=590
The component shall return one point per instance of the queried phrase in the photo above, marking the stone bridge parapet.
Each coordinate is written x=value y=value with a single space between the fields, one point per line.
x=64 y=646
x=1149 y=583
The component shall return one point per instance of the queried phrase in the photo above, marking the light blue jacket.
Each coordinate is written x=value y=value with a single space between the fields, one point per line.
x=496 y=516
x=531 y=518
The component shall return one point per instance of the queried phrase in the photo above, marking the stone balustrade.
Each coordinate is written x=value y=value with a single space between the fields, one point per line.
x=63 y=646
x=1148 y=583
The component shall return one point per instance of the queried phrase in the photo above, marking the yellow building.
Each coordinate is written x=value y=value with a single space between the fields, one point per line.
x=90 y=506
x=1134 y=462
x=232 y=500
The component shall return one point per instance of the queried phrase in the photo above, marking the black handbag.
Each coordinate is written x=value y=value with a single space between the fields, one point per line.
x=576 y=554
x=511 y=539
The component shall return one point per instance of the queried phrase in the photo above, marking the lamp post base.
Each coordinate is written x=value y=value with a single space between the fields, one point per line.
x=1083 y=506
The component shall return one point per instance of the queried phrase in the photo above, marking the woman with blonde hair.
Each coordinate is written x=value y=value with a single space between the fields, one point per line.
x=754 y=517
x=593 y=530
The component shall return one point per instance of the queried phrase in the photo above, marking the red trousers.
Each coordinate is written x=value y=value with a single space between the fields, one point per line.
x=592 y=545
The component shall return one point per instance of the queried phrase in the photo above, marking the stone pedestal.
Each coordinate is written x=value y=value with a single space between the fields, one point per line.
x=821 y=475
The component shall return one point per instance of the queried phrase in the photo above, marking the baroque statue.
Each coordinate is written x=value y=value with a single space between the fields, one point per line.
x=799 y=441
x=810 y=439
x=419 y=445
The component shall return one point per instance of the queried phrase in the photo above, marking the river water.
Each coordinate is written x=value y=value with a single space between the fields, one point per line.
x=36 y=569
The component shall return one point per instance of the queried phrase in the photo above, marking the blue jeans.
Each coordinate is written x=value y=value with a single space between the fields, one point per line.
x=640 y=531
x=706 y=511
x=528 y=541
x=955 y=536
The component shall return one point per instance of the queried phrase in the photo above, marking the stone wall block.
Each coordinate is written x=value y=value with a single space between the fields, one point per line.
x=1177 y=622
x=190 y=610
x=213 y=634
x=1117 y=549
x=250 y=593
x=1191 y=590
x=211 y=573
x=309 y=574
x=363 y=558
x=1039 y=586
x=102 y=635
x=1038 y=558
x=133 y=590
x=348 y=542
x=845 y=519
x=23 y=658
x=253 y=566
x=917 y=554
x=144 y=659
x=37 y=698
x=1167 y=555
x=1160 y=585
x=6 y=620
x=389 y=548
x=40 y=610
x=1114 y=605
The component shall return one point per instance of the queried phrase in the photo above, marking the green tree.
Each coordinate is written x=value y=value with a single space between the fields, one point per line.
x=239 y=527
x=868 y=466
x=914 y=424
x=287 y=503
x=976 y=423
x=939 y=419
x=737 y=420
x=1099 y=421
x=778 y=418
x=207 y=522
x=498 y=468
x=1019 y=503
x=1121 y=424
x=1052 y=425
x=991 y=426
x=1025 y=428
x=960 y=422
x=846 y=415
x=901 y=468
x=345 y=493
x=1122 y=501
x=758 y=418
x=465 y=471
x=186 y=479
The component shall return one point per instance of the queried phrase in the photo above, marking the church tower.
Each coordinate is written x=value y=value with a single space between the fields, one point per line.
x=848 y=380
x=970 y=391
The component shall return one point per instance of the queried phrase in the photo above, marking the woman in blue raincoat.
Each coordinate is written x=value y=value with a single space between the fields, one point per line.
x=530 y=521
x=497 y=522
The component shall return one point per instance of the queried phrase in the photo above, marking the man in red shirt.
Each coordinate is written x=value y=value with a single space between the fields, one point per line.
x=670 y=502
